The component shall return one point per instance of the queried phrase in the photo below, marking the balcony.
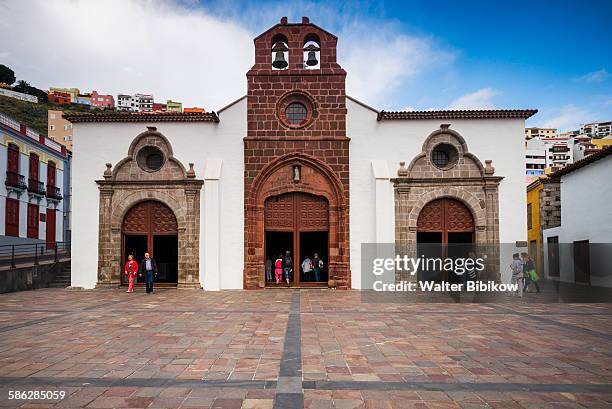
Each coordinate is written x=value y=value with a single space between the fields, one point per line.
x=36 y=187
x=15 y=180
x=53 y=192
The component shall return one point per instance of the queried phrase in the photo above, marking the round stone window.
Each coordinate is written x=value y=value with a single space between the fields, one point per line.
x=296 y=113
x=150 y=158
x=296 y=110
x=444 y=156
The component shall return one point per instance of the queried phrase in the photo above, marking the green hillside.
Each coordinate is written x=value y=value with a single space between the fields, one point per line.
x=34 y=115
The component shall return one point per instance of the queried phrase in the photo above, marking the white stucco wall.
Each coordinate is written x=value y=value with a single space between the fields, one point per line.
x=98 y=143
x=586 y=214
x=501 y=140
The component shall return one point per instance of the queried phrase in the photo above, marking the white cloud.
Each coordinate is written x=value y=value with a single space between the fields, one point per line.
x=596 y=76
x=114 y=46
x=569 y=118
x=481 y=99
x=379 y=61
x=177 y=49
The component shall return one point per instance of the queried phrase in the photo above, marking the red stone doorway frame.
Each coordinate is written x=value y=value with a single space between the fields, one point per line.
x=316 y=178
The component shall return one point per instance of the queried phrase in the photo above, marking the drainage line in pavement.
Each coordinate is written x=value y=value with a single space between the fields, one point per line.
x=289 y=392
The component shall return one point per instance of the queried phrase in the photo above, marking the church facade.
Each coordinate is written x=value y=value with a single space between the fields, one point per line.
x=295 y=165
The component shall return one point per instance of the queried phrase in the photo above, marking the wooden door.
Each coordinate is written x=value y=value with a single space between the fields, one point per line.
x=51 y=172
x=33 y=210
x=11 y=226
x=295 y=213
x=149 y=218
x=34 y=162
x=13 y=158
x=51 y=227
x=445 y=216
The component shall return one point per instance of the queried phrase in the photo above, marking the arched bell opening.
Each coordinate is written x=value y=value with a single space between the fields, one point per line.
x=312 y=52
x=280 y=52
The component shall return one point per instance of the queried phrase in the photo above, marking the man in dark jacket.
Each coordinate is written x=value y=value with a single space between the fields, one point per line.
x=149 y=269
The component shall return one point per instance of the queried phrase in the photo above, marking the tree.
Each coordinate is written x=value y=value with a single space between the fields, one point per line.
x=26 y=88
x=7 y=75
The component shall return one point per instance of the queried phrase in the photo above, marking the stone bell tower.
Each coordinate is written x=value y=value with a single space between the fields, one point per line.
x=296 y=143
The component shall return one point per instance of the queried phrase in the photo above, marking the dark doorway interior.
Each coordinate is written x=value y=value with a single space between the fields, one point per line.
x=165 y=252
x=429 y=246
x=277 y=243
x=582 y=262
x=310 y=243
x=136 y=245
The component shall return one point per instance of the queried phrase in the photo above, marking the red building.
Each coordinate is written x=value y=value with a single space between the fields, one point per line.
x=157 y=107
x=195 y=109
x=58 y=97
x=102 y=101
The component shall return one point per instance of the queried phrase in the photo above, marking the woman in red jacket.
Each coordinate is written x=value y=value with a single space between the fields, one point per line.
x=130 y=270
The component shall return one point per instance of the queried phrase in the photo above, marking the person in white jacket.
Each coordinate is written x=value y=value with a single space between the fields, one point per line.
x=517 y=274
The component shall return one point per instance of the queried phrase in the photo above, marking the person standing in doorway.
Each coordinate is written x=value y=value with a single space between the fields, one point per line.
x=130 y=270
x=269 y=271
x=307 y=268
x=278 y=269
x=287 y=265
x=317 y=266
x=149 y=267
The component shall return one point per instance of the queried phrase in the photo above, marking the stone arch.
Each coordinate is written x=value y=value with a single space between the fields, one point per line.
x=316 y=178
x=127 y=184
x=467 y=181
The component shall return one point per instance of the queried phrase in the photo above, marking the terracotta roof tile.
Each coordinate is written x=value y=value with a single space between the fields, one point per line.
x=143 y=117
x=458 y=114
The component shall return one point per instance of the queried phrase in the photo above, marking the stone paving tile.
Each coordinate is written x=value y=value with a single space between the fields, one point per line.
x=191 y=349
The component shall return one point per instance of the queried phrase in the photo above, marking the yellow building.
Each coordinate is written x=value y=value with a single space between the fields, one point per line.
x=58 y=129
x=602 y=143
x=534 y=227
x=173 y=106
x=74 y=92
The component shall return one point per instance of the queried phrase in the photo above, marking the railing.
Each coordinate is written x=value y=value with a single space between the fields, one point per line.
x=36 y=186
x=14 y=179
x=12 y=255
x=53 y=192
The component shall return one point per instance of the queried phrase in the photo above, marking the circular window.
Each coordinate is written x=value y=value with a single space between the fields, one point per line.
x=296 y=110
x=444 y=156
x=296 y=113
x=150 y=158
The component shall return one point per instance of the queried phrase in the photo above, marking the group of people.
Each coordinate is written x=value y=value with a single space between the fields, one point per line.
x=133 y=269
x=524 y=273
x=282 y=268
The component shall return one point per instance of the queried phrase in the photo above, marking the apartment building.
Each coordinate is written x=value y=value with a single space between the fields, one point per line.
x=58 y=129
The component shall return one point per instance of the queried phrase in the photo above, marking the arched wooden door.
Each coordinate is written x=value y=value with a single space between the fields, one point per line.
x=447 y=217
x=298 y=222
x=445 y=228
x=151 y=227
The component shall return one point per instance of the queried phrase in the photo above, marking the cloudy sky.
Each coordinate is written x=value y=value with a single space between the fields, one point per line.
x=554 y=56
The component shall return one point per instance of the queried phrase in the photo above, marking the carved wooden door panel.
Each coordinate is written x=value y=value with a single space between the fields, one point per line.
x=445 y=215
x=279 y=212
x=150 y=219
x=313 y=213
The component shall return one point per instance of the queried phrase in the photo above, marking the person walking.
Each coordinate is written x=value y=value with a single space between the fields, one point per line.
x=269 y=278
x=307 y=268
x=530 y=273
x=287 y=265
x=317 y=266
x=517 y=274
x=130 y=270
x=149 y=267
x=278 y=269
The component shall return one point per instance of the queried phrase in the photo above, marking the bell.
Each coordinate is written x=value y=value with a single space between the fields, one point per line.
x=312 y=59
x=279 y=61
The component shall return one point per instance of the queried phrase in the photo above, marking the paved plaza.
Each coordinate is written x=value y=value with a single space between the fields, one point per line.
x=299 y=348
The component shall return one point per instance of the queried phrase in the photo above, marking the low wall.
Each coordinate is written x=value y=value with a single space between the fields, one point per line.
x=30 y=278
